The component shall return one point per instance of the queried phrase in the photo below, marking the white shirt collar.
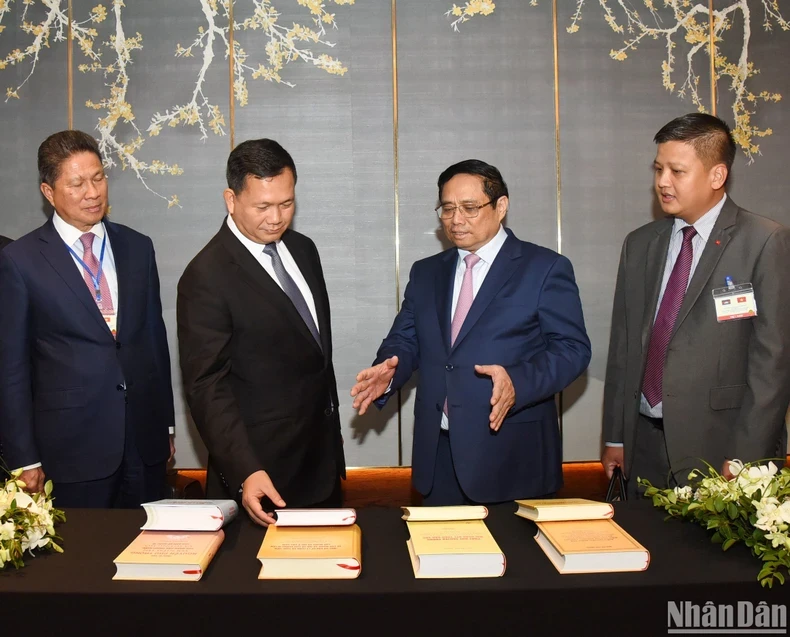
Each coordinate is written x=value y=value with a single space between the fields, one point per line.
x=704 y=225
x=489 y=251
x=252 y=246
x=69 y=233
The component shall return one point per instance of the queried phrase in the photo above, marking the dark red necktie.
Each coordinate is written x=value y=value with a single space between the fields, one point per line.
x=652 y=385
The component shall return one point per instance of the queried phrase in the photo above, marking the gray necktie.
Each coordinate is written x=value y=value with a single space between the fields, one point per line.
x=292 y=290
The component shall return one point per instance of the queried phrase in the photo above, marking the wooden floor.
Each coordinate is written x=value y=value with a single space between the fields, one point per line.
x=391 y=486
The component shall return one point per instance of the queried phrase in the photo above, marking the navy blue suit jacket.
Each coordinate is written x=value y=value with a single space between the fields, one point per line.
x=62 y=374
x=526 y=317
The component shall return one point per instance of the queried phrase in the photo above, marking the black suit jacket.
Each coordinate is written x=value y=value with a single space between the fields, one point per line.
x=261 y=391
x=4 y=241
x=62 y=374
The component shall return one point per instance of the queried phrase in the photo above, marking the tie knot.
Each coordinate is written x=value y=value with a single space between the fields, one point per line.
x=689 y=232
x=270 y=249
x=471 y=261
x=87 y=241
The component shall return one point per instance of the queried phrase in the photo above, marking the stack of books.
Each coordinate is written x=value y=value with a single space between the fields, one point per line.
x=452 y=542
x=178 y=540
x=580 y=536
x=312 y=544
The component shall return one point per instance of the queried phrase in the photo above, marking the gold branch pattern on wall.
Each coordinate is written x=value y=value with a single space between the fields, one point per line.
x=689 y=22
x=117 y=113
x=281 y=45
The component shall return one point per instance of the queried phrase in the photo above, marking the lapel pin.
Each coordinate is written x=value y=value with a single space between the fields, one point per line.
x=718 y=243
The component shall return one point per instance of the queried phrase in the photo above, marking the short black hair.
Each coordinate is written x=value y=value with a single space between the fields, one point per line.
x=58 y=147
x=493 y=184
x=262 y=158
x=710 y=137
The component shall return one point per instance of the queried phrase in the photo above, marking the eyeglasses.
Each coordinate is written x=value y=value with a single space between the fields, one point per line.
x=468 y=210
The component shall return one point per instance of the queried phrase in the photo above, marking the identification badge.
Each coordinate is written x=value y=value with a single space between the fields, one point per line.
x=735 y=302
x=112 y=322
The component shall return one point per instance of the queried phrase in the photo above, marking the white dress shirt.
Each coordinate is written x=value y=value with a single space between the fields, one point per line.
x=256 y=250
x=71 y=237
x=487 y=254
x=703 y=226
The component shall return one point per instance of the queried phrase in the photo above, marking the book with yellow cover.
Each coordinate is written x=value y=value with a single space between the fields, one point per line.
x=591 y=546
x=168 y=556
x=311 y=552
x=454 y=548
x=461 y=512
x=564 y=509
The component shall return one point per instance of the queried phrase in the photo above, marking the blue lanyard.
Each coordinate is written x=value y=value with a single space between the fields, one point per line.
x=96 y=279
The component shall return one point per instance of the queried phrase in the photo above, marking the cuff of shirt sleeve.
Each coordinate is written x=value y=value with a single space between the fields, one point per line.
x=31 y=466
x=171 y=431
x=614 y=444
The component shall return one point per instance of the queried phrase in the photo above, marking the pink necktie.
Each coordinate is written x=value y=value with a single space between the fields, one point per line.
x=465 y=299
x=105 y=305
x=652 y=385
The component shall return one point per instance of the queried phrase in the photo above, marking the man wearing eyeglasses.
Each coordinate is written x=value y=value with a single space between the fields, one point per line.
x=495 y=327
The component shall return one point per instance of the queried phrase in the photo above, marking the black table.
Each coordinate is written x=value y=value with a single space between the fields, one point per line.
x=74 y=592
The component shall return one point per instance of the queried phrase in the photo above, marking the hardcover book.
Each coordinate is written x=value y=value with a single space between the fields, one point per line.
x=168 y=556
x=311 y=552
x=188 y=515
x=591 y=546
x=564 y=509
x=452 y=542
x=315 y=517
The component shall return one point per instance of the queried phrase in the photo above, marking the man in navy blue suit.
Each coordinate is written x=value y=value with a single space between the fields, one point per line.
x=495 y=327
x=85 y=392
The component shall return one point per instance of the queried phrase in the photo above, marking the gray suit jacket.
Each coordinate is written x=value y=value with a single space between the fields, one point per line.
x=726 y=385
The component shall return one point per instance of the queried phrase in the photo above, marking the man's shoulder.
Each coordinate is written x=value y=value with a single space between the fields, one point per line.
x=751 y=222
x=204 y=263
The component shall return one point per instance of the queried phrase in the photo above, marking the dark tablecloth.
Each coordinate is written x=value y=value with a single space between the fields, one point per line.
x=73 y=593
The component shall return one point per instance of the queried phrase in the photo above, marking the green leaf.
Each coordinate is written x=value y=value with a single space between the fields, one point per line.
x=48 y=488
x=732 y=510
x=728 y=544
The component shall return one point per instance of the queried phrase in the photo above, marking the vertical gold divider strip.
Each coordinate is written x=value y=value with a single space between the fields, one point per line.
x=70 y=70
x=557 y=162
x=711 y=23
x=231 y=63
x=396 y=185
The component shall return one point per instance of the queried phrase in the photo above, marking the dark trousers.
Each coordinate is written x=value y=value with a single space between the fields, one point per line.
x=132 y=483
x=650 y=459
x=446 y=490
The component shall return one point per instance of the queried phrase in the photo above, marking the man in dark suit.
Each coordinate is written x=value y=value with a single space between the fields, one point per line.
x=495 y=327
x=256 y=346
x=4 y=241
x=85 y=392
x=699 y=354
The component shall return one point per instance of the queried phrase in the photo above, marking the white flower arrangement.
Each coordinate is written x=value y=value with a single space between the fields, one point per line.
x=753 y=508
x=27 y=522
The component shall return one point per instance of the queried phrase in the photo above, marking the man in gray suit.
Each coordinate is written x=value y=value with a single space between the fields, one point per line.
x=699 y=354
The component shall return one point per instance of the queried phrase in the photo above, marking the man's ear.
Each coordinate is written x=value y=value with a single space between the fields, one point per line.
x=718 y=176
x=46 y=190
x=501 y=206
x=230 y=200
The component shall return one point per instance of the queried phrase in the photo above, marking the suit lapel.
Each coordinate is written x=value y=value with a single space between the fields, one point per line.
x=445 y=279
x=57 y=255
x=655 y=262
x=714 y=248
x=309 y=268
x=499 y=273
x=122 y=257
x=259 y=280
